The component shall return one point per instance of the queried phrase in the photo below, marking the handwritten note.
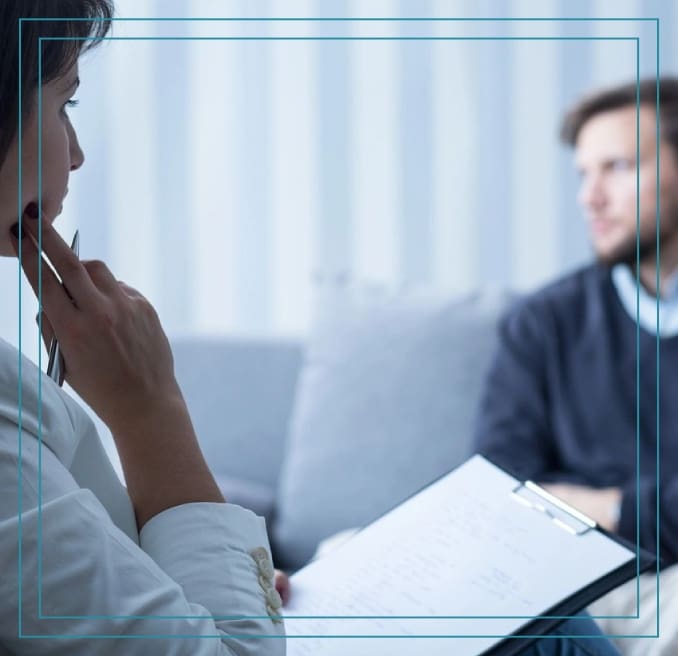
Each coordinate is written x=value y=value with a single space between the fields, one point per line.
x=439 y=564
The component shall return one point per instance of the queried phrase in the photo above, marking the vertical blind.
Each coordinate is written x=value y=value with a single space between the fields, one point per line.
x=226 y=177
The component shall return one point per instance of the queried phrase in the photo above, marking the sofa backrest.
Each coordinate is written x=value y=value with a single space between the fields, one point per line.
x=240 y=393
x=385 y=404
x=327 y=435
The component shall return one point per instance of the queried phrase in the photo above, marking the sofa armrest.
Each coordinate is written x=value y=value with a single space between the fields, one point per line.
x=240 y=392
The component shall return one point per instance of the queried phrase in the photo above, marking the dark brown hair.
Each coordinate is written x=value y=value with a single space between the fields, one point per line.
x=90 y=19
x=644 y=93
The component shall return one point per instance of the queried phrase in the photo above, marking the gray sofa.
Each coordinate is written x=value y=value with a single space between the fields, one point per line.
x=240 y=393
x=328 y=434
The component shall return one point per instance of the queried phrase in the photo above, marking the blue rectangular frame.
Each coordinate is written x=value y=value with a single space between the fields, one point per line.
x=399 y=38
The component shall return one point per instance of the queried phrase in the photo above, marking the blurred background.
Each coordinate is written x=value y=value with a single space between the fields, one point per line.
x=226 y=179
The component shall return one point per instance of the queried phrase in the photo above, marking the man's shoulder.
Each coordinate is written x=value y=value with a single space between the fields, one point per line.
x=580 y=286
x=565 y=299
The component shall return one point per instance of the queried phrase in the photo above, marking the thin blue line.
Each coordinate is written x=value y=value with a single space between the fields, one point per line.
x=637 y=335
x=636 y=39
x=39 y=307
x=546 y=636
x=658 y=218
x=329 y=617
x=39 y=310
x=20 y=466
x=345 y=38
x=344 y=18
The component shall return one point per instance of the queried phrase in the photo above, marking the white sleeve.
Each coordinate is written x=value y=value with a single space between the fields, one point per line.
x=199 y=584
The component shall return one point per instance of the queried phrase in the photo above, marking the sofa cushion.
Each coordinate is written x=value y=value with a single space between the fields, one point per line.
x=384 y=405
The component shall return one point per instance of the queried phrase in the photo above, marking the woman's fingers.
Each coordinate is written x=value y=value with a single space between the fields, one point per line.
x=283 y=586
x=101 y=276
x=46 y=286
x=65 y=262
x=117 y=355
x=46 y=328
x=130 y=291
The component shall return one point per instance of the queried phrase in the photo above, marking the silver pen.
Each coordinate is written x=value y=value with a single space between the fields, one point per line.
x=56 y=369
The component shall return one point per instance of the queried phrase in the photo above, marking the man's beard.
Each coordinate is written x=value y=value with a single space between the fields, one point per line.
x=643 y=249
x=633 y=251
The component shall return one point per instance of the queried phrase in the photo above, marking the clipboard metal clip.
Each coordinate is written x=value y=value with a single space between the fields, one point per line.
x=561 y=514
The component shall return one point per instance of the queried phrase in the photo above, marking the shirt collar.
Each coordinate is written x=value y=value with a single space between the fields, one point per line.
x=644 y=307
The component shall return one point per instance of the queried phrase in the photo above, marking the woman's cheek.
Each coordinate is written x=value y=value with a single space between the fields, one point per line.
x=55 y=171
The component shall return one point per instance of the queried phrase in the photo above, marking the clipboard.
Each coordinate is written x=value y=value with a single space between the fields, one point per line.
x=512 y=538
x=573 y=521
x=560 y=513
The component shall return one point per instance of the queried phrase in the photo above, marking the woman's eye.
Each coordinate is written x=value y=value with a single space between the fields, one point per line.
x=69 y=104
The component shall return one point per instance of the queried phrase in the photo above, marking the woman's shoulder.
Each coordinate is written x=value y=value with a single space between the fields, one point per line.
x=32 y=400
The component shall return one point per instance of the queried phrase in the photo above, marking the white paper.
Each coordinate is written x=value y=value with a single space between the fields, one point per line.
x=465 y=546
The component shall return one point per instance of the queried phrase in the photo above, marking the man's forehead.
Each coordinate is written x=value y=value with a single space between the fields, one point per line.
x=622 y=120
x=616 y=131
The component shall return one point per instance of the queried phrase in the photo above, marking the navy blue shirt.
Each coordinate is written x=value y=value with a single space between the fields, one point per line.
x=560 y=402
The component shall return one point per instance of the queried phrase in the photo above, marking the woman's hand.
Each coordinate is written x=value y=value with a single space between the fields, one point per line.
x=116 y=354
x=282 y=585
x=118 y=359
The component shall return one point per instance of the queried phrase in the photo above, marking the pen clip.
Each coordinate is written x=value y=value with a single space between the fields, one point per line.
x=560 y=513
x=56 y=367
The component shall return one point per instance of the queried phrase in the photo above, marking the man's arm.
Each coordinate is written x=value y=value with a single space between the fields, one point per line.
x=513 y=429
x=601 y=504
x=615 y=509
x=512 y=424
x=646 y=525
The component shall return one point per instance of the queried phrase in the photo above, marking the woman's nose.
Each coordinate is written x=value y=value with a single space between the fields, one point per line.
x=76 y=154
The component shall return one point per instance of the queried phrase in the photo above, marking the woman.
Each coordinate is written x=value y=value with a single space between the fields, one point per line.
x=166 y=547
x=89 y=566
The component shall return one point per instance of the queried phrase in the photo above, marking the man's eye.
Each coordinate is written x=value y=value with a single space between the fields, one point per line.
x=622 y=164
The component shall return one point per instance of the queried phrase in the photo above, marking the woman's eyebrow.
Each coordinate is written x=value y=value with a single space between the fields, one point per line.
x=73 y=85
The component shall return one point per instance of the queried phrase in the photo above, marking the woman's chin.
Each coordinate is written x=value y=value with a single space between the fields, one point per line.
x=6 y=249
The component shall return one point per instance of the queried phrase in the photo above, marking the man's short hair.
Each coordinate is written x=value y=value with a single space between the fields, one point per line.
x=644 y=93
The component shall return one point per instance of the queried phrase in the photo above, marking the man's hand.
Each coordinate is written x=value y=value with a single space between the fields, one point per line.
x=600 y=505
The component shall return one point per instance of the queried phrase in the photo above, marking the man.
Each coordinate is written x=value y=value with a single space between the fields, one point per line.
x=561 y=399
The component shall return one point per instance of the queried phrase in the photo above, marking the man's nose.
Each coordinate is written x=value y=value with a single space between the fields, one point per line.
x=592 y=195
